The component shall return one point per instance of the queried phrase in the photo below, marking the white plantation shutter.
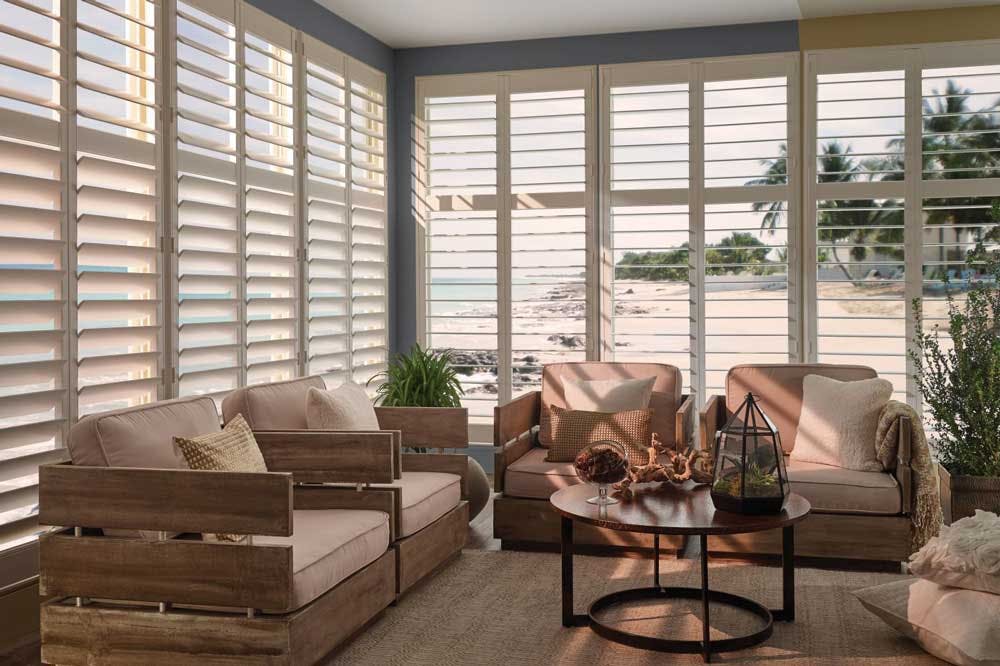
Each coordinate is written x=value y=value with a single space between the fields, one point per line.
x=455 y=136
x=118 y=277
x=209 y=244
x=552 y=215
x=367 y=206
x=270 y=224
x=34 y=380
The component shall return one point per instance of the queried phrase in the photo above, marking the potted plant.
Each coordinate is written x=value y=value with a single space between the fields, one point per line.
x=426 y=378
x=960 y=384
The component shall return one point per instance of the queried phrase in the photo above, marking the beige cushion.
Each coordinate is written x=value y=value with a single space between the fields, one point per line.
x=330 y=545
x=665 y=400
x=274 y=406
x=779 y=390
x=608 y=395
x=346 y=407
x=141 y=436
x=838 y=422
x=965 y=554
x=426 y=496
x=573 y=430
x=533 y=477
x=959 y=626
x=836 y=490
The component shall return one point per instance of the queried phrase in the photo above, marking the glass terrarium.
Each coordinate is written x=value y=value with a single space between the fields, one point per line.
x=750 y=475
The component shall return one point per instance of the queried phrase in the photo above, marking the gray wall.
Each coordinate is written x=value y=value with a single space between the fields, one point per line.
x=531 y=54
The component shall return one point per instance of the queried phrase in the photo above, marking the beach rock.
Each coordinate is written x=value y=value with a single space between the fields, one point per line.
x=569 y=341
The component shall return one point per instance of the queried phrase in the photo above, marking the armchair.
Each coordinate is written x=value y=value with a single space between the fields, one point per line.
x=429 y=490
x=855 y=515
x=522 y=515
x=131 y=570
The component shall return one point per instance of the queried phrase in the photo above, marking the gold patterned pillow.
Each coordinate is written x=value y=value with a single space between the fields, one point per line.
x=573 y=430
x=232 y=449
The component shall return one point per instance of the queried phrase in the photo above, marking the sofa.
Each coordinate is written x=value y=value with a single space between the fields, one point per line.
x=430 y=490
x=523 y=518
x=333 y=533
x=855 y=515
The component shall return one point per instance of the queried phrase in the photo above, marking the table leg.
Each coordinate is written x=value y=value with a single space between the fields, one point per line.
x=566 y=543
x=787 y=612
x=706 y=652
x=656 y=561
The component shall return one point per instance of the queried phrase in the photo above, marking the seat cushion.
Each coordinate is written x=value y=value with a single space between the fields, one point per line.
x=532 y=477
x=426 y=497
x=274 y=406
x=837 y=490
x=329 y=546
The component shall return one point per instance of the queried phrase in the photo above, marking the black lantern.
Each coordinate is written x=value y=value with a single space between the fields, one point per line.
x=750 y=475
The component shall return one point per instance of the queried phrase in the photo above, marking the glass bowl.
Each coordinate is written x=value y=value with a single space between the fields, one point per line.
x=602 y=463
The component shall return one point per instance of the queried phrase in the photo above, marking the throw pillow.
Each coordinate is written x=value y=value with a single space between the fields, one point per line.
x=959 y=626
x=838 y=422
x=965 y=554
x=573 y=430
x=233 y=449
x=598 y=395
x=346 y=407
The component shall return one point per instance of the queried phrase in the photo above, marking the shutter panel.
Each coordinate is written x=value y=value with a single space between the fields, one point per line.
x=367 y=205
x=457 y=160
x=327 y=251
x=859 y=257
x=551 y=188
x=33 y=261
x=270 y=224
x=209 y=270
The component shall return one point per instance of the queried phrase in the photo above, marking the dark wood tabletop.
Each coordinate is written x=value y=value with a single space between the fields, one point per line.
x=670 y=509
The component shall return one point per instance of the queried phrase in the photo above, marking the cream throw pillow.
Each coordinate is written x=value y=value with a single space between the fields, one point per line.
x=233 y=449
x=608 y=395
x=838 y=422
x=959 y=626
x=965 y=554
x=346 y=407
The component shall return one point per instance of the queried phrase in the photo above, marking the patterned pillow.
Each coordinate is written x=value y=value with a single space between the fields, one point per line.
x=233 y=449
x=573 y=430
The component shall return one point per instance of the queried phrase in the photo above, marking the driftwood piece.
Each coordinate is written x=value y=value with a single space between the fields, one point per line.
x=678 y=468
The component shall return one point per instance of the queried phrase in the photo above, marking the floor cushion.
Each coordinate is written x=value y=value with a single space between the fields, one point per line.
x=329 y=546
x=426 y=497
x=836 y=490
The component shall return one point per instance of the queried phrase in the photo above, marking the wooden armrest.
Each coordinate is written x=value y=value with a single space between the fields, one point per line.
x=387 y=500
x=450 y=463
x=168 y=500
x=712 y=417
x=433 y=427
x=903 y=473
x=326 y=456
x=517 y=417
x=683 y=424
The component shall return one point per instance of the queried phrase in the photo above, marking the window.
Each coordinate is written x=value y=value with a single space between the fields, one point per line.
x=161 y=230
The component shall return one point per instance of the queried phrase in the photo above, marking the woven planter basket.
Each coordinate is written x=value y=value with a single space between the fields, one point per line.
x=962 y=495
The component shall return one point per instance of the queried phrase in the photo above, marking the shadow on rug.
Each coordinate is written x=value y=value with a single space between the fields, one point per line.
x=503 y=608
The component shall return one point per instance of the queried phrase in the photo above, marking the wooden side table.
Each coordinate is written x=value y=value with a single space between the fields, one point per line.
x=681 y=510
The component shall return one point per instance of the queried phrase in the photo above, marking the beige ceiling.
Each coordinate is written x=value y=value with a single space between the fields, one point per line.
x=410 y=23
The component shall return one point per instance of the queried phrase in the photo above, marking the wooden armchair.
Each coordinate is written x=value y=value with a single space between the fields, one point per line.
x=430 y=490
x=855 y=515
x=522 y=515
x=132 y=577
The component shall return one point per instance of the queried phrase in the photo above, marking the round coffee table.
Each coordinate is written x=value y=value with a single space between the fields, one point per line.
x=678 y=510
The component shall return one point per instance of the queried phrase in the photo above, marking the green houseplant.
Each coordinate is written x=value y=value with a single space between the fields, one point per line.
x=960 y=384
x=426 y=378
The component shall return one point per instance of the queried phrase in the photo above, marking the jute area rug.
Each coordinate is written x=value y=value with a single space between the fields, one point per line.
x=503 y=608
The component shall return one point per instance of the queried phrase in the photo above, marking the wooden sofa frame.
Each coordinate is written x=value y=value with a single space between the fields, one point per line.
x=179 y=599
x=837 y=536
x=522 y=523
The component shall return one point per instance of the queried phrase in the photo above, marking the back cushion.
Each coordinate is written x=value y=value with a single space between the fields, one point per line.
x=141 y=436
x=275 y=406
x=779 y=390
x=664 y=403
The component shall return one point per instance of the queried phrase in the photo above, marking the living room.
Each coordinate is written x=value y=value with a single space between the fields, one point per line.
x=340 y=332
